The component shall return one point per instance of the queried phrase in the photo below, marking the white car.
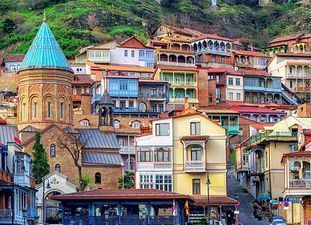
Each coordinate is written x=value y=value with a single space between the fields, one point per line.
x=278 y=222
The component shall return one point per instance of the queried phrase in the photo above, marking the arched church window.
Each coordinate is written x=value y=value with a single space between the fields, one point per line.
x=35 y=110
x=98 y=178
x=49 y=109
x=85 y=123
x=58 y=168
x=52 y=151
x=61 y=110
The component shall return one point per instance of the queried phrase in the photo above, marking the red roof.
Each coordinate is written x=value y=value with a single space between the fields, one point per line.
x=177 y=68
x=14 y=58
x=286 y=38
x=224 y=70
x=296 y=154
x=293 y=54
x=82 y=79
x=122 y=194
x=252 y=109
x=133 y=42
x=252 y=72
x=217 y=200
x=250 y=53
x=213 y=36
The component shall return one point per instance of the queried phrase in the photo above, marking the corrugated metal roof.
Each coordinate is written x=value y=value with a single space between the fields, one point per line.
x=7 y=134
x=105 y=99
x=101 y=158
x=97 y=139
x=45 y=53
x=29 y=129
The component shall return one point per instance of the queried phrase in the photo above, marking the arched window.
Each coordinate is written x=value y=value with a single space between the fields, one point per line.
x=85 y=123
x=58 y=168
x=136 y=124
x=49 y=109
x=34 y=106
x=61 y=110
x=98 y=178
x=52 y=151
x=116 y=124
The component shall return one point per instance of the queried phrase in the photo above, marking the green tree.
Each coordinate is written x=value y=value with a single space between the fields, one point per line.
x=8 y=26
x=128 y=178
x=40 y=166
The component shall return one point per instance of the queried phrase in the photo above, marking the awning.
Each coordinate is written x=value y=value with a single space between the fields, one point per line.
x=263 y=197
x=220 y=200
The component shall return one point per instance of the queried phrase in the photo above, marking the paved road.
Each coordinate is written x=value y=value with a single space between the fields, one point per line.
x=246 y=209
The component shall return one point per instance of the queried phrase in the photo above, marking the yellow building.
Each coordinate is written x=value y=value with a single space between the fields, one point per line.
x=183 y=153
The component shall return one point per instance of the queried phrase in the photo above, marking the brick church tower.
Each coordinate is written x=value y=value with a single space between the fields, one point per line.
x=45 y=84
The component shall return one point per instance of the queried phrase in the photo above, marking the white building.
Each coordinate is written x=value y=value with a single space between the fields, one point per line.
x=234 y=90
x=154 y=159
x=129 y=52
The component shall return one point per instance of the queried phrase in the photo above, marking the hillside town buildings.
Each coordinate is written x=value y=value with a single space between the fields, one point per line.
x=169 y=111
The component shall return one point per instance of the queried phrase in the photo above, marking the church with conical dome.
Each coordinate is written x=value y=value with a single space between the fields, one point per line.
x=45 y=84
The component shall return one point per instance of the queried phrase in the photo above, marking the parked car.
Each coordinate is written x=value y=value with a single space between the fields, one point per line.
x=278 y=220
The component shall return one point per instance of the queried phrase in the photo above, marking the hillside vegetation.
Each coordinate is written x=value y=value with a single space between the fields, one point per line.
x=79 y=23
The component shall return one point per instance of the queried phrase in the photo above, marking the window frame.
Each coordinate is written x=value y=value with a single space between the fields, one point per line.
x=197 y=128
x=52 y=150
x=196 y=186
x=158 y=129
x=98 y=176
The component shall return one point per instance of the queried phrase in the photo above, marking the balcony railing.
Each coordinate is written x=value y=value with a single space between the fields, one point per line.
x=152 y=96
x=162 y=165
x=5 y=213
x=267 y=135
x=127 y=150
x=214 y=51
x=175 y=63
x=184 y=83
x=195 y=166
x=298 y=89
x=297 y=184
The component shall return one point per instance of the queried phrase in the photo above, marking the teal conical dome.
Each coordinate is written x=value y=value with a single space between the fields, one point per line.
x=45 y=52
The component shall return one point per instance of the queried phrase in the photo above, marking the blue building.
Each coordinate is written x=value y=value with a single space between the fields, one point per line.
x=15 y=177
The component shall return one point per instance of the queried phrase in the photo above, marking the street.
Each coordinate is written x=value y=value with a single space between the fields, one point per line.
x=246 y=209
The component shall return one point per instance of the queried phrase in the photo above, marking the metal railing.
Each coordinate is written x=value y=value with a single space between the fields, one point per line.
x=162 y=165
x=127 y=150
x=297 y=184
x=5 y=213
x=270 y=136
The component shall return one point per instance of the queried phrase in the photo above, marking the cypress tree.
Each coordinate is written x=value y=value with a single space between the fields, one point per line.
x=40 y=166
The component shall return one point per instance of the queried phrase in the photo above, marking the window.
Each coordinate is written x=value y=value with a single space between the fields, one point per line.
x=58 y=168
x=85 y=123
x=121 y=142
x=162 y=155
x=35 y=110
x=52 y=151
x=20 y=168
x=291 y=84
x=131 y=104
x=230 y=96
x=195 y=128
x=163 y=182
x=161 y=108
x=238 y=96
x=133 y=53
x=122 y=104
x=213 y=60
x=196 y=154
x=237 y=81
x=98 y=178
x=149 y=54
x=61 y=110
x=123 y=85
x=24 y=111
x=266 y=159
x=49 y=110
x=150 y=64
x=141 y=53
x=146 y=181
x=196 y=189
x=230 y=81
x=144 y=156
x=162 y=129
x=136 y=124
x=153 y=108
x=125 y=53
x=116 y=124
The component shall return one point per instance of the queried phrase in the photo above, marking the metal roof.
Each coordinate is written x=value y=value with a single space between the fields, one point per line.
x=7 y=134
x=101 y=158
x=94 y=138
x=105 y=99
x=29 y=129
x=122 y=194
x=45 y=52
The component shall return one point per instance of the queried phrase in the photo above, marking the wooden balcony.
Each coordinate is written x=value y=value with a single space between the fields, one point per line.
x=5 y=176
x=302 y=89
x=300 y=184
x=127 y=150
x=195 y=166
x=298 y=188
x=162 y=165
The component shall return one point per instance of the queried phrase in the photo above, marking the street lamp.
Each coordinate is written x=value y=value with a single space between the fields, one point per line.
x=48 y=186
x=122 y=165
x=208 y=182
